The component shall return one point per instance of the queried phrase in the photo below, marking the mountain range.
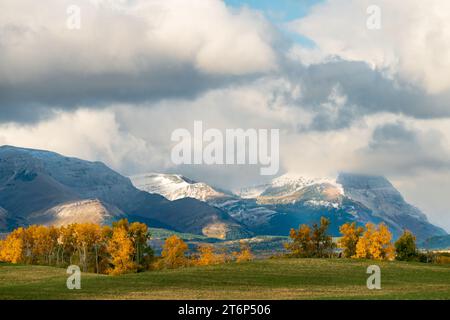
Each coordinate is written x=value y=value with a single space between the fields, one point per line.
x=43 y=187
x=287 y=201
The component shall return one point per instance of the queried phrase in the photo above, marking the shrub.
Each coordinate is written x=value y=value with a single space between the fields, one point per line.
x=245 y=253
x=310 y=242
x=207 y=256
x=405 y=247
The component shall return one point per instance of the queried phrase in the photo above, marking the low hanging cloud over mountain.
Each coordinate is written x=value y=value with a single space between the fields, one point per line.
x=409 y=149
x=349 y=98
x=366 y=92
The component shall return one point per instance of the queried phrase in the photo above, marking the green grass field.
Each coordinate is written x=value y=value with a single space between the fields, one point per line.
x=264 y=279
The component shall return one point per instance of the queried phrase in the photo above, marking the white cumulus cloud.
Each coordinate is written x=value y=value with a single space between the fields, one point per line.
x=413 y=42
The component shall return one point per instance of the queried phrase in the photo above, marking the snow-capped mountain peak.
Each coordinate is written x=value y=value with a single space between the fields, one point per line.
x=175 y=186
x=286 y=185
x=291 y=199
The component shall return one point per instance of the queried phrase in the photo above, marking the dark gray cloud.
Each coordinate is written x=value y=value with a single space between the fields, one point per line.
x=32 y=101
x=396 y=150
x=64 y=73
x=124 y=52
x=367 y=92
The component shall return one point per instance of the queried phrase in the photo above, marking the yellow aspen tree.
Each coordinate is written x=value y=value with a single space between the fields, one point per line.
x=96 y=244
x=322 y=243
x=87 y=235
x=301 y=244
x=44 y=243
x=1 y=249
x=386 y=247
x=174 y=253
x=121 y=249
x=375 y=243
x=39 y=234
x=380 y=246
x=30 y=247
x=67 y=243
x=350 y=237
x=104 y=257
x=12 y=248
x=140 y=235
x=208 y=256
x=363 y=245
x=245 y=253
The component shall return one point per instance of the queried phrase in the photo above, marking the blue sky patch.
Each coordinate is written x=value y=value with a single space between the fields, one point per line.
x=281 y=11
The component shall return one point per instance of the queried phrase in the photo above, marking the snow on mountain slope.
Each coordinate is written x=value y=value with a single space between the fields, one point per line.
x=83 y=211
x=387 y=203
x=290 y=198
x=45 y=187
x=39 y=186
x=291 y=188
x=174 y=187
x=378 y=194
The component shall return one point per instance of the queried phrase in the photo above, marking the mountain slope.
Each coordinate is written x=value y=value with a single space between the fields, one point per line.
x=93 y=211
x=45 y=187
x=351 y=197
x=436 y=243
x=287 y=201
x=385 y=202
x=41 y=187
x=174 y=187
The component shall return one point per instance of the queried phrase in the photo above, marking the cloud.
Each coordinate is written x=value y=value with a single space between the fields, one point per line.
x=125 y=51
x=88 y=134
x=429 y=192
x=412 y=43
x=173 y=50
x=398 y=149
x=135 y=139
x=340 y=92
x=376 y=102
x=413 y=154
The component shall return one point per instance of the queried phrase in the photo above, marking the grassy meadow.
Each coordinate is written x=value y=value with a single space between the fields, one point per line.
x=261 y=279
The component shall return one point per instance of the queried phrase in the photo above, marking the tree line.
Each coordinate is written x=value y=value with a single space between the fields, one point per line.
x=175 y=254
x=360 y=242
x=124 y=247
x=101 y=249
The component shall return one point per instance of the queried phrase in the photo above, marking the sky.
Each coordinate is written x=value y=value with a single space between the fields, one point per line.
x=278 y=11
x=344 y=95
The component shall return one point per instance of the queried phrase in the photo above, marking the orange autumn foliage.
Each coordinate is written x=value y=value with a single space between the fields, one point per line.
x=208 y=256
x=12 y=248
x=94 y=248
x=350 y=237
x=121 y=249
x=173 y=254
x=307 y=242
x=375 y=243
x=245 y=254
